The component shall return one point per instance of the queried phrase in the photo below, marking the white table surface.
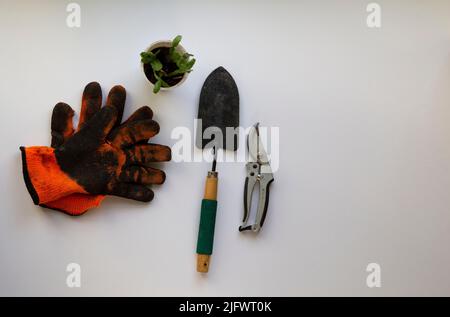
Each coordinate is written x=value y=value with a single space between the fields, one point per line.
x=364 y=174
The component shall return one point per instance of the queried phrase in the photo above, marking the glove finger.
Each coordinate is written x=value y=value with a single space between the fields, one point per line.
x=116 y=98
x=61 y=125
x=142 y=113
x=100 y=125
x=147 y=153
x=91 y=102
x=142 y=175
x=133 y=132
x=132 y=191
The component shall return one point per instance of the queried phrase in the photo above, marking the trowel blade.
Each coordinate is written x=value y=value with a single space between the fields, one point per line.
x=218 y=112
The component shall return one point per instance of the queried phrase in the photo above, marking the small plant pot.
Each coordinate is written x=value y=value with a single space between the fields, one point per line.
x=163 y=47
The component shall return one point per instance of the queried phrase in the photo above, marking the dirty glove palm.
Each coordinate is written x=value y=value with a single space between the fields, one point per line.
x=111 y=165
x=97 y=160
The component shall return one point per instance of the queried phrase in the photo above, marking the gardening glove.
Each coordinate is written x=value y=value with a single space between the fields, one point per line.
x=93 y=162
x=62 y=130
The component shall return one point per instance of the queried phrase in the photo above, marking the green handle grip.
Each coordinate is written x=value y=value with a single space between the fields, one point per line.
x=206 y=229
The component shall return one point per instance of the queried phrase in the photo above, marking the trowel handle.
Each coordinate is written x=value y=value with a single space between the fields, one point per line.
x=207 y=223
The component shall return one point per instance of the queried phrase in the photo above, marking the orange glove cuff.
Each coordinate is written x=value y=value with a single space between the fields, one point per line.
x=44 y=179
x=75 y=204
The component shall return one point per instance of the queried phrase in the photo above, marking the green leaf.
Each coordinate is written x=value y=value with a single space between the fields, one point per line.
x=156 y=65
x=147 y=57
x=157 y=86
x=176 y=41
x=176 y=72
x=184 y=66
x=175 y=57
x=156 y=75
x=159 y=78
x=164 y=84
x=191 y=63
x=181 y=64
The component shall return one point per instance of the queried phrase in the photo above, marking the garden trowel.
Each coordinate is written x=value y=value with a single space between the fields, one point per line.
x=218 y=115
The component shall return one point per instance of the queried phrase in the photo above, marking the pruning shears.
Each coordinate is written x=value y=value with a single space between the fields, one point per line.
x=258 y=171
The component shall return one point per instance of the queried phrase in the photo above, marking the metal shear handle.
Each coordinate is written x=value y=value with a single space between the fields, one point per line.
x=260 y=172
x=254 y=175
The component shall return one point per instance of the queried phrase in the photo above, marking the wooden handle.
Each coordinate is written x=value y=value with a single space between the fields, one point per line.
x=211 y=186
x=203 y=263
x=207 y=223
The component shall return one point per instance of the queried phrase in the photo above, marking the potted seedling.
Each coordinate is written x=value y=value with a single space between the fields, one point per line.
x=166 y=64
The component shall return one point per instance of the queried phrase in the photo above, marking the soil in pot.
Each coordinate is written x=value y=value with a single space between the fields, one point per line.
x=168 y=67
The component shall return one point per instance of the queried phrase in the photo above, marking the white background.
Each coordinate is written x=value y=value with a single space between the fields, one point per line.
x=364 y=119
